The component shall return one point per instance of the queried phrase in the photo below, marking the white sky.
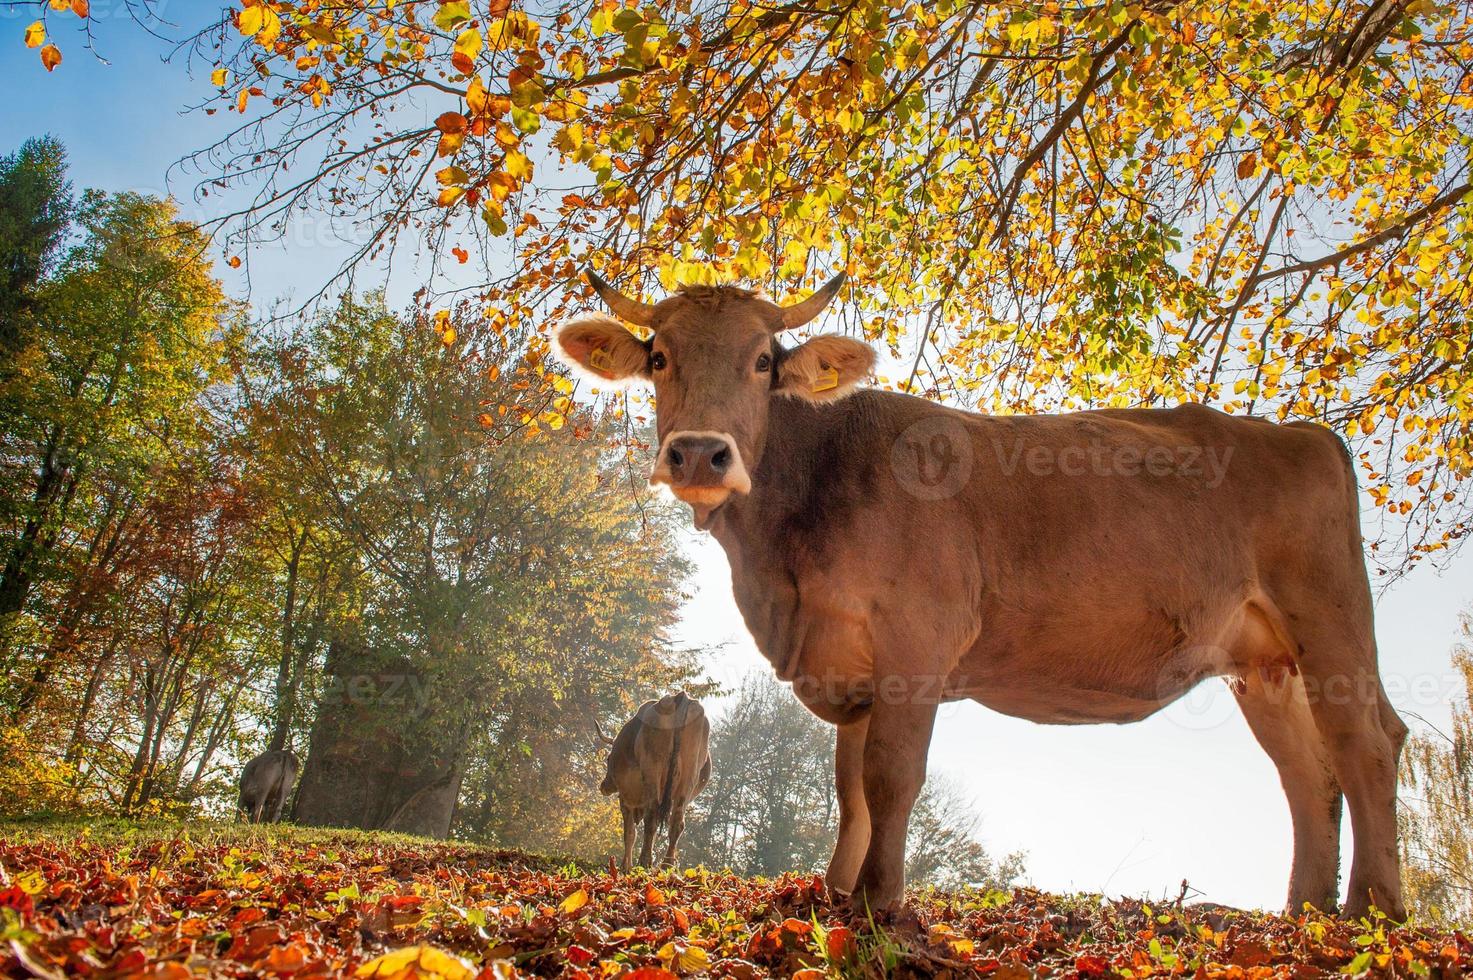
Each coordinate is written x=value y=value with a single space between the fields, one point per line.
x=1125 y=810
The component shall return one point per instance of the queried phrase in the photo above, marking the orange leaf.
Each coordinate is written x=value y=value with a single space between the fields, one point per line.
x=498 y=9
x=461 y=255
x=51 y=57
x=451 y=123
x=462 y=63
x=80 y=8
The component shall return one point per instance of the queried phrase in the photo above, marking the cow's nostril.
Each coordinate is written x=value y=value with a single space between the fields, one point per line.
x=675 y=458
x=721 y=459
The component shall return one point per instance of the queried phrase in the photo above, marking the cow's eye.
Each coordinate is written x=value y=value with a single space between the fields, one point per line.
x=764 y=363
x=657 y=361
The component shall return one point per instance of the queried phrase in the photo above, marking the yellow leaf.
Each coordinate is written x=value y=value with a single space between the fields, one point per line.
x=476 y=98
x=449 y=196
x=469 y=43
x=518 y=166
x=686 y=959
x=574 y=902
x=452 y=175
x=219 y=77
x=449 y=144
x=252 y=19
x=36 y=35
x=421 y=961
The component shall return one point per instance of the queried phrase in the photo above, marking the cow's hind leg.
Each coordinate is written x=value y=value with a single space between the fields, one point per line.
x=647 y=847
x=1362 y=735
x=853 y=838
x=1274 y=703
x=631 y=827
x=677 y=824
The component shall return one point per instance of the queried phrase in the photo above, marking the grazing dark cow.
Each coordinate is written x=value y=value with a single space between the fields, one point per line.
x=658 y=762
x=265 y=783
x=889 y=553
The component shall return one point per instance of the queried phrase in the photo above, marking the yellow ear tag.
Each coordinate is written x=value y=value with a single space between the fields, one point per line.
x=601 y=361
x=827 y=380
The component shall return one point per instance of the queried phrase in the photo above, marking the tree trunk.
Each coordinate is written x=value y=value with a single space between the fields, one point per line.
x=286 y=683
x=366 y=767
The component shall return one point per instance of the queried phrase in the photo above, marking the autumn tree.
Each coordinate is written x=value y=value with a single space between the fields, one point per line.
x=1258 y=205
x=122 y=533
x=1437 y=808
x=506 y=586
x=127 y=336
x=35 y=209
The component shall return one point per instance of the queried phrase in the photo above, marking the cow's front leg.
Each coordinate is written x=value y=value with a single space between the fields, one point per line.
x=895 y=747
x=853 y=813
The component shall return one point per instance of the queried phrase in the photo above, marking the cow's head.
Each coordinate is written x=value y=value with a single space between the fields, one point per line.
x=715 y=362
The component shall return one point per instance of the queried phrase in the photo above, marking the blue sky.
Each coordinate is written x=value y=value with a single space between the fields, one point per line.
x=1126 y=810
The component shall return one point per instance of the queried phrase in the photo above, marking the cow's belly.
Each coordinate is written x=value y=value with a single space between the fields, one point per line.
x=1115 y=669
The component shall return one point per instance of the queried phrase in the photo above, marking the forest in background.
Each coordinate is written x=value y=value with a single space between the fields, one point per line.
x=215 y=530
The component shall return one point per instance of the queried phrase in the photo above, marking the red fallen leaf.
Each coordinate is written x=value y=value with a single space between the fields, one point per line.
x=401 y=902
x=1248 y=953
x=650 y=973
x=246 y=916
x=809 y=974
x=796 y=926
x=1091 y=966
x=841 y=944
x=682 y=922
x=16 y=898
x=653 y=896
x=578 y=955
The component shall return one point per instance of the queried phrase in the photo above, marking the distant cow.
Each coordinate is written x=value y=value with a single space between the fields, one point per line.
x=889 y=553
x=265 y=783
x=658 y=762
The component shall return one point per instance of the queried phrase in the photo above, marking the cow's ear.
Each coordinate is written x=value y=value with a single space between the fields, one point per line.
x=825 y=368
x=603 y=348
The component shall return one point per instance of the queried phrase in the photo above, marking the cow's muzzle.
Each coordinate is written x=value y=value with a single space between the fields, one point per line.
x=702 y=468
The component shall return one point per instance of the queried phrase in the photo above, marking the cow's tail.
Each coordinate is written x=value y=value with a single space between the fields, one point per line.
x=667 y=793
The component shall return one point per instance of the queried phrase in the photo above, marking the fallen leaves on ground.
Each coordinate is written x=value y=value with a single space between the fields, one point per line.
x=235 y=902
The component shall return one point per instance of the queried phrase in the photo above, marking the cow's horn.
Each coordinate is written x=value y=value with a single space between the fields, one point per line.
x=632 y=310
x=800 y=313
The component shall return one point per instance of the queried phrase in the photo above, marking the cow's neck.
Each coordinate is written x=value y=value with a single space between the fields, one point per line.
x=809 y=471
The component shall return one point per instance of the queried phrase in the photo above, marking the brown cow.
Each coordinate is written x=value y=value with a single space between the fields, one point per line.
x=658 y=762
x=889 y=553
x=265 y=784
